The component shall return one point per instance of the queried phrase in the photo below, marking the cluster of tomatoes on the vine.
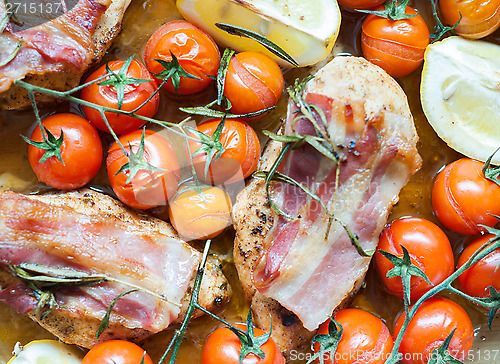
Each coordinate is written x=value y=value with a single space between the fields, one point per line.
x=143 y=167
x=394 y=36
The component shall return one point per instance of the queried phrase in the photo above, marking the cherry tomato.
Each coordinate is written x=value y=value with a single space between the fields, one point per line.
x=365 y=339
x=116 y=352
x=81 y=152
x=200 y=217
x=147 y=188
x=223 y=347
x=476 y=280
x=396 y=46
x=241 y=152
x=196 y=52
x=134 y=96
x=253 y=82
x=434 y=320
x=463 y=198
x=479 y=18
x=428 y=247
x=360 y=4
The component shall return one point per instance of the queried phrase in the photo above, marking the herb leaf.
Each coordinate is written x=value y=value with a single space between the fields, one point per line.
x=221 y=76
x=206 y=111
x=174 y=71
x=105 y=320
x=270 y=46
x=327 y=343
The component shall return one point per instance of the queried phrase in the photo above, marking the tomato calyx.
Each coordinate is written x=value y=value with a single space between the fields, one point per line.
x=173 y=71
x=404 y=268
x=440 y=29
x=136 y=161
x=210 y=145
x=250 y=343
x=51 y=145
x=441 y=354
x=491 y=173
x=393 y=11
x=327 y=343
x=120 y=79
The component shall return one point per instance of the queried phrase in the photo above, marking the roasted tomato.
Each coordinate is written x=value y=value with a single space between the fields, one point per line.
x=428 y=247
x=147 y=188
x=434 y=320
x=134 y=95
x=116 y=352
x=223 y=347
x=200 y=214
x=365 y=339
x=241 y=151
x=463 y=198
x=360 y=4
x=196 y=52
x=479 y=18
x=396 y=46
x=476 y=280
x=253 y=82
x=81 y=152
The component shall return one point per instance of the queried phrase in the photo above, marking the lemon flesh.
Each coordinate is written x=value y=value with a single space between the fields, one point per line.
x=306 y=30
x=46 y=352
x=460 y=94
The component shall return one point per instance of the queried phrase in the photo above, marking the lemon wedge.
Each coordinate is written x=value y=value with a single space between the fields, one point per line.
x=306 y=30
x=46 y=352
x=460 y=94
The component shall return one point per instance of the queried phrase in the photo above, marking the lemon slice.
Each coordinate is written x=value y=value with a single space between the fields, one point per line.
x=306 y=30
x=460 y=94
x=46 y=352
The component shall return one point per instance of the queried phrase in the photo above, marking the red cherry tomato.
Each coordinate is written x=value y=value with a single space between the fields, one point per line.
x=360 y=4
x=434 y=320
x=476 y=280
x=254 y=82
x=134 y=96
x=365 y=339
x=196 y=52
x=147 y=188
x=116 y=352
x=81 y=152
x=223 y=347
x=479 y=18
x=463 y=198
x=200 y=217
x=396 y=46
x=429 y=249
x=241 y=152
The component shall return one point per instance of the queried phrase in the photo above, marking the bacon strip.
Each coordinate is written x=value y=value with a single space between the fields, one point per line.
x=33 y=231
x=61 y=45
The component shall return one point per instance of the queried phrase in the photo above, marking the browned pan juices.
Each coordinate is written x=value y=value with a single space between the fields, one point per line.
x=142 y=19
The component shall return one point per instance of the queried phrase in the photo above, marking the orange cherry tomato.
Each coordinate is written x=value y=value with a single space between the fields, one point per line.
x=434 y=320
x=116 y=352
x=196 y=52
x=428 y=247
x=241 y=152
x=254 y=82
x=476 y=280
x=147 y=188
x=360 y=4
x=479 y=18
x=81 y=152
x=134 y=96
x=365 y=339
x=463 y=198
x=223 y=347
x=396 y=46
x=200 y=217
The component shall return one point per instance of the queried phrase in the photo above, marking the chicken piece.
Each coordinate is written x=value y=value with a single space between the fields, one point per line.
x=57 y=53
x=92 y=233
x=298 y=271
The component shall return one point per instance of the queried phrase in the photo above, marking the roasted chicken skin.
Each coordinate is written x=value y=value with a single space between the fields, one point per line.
x=297 y=271
x=92 y=233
